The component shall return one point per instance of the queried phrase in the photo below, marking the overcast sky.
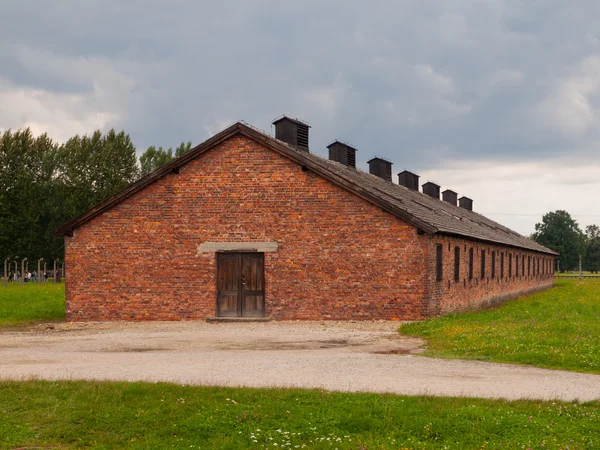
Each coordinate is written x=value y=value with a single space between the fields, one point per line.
x=497 y=100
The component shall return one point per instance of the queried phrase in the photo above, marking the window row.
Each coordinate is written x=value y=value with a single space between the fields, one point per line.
x=524 y=265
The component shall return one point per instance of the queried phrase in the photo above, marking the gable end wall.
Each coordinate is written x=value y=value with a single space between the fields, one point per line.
x=337 y=257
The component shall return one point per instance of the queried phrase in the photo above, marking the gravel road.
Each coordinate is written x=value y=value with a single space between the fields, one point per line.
x=339 y=356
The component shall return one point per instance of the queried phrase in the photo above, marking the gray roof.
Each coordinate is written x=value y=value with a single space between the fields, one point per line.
x=426 y=213
x=443 y=216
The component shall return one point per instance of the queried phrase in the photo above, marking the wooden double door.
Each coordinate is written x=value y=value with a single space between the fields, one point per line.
x=240 y=284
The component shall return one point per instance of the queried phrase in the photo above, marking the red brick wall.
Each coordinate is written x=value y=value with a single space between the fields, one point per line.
x=449 y=295
x=339 y=256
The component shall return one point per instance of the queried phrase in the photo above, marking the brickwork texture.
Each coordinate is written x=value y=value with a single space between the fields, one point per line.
x=339 y=257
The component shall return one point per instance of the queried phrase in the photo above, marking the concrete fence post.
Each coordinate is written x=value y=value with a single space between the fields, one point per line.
x=6 y=271
x=23 y=261
x=37 y=279
x=54 y=271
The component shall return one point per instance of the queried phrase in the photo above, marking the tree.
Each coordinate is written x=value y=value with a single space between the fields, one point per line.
x=44 y=184
x=183 y=148
x=560 y=232
x=26 y=177
x=591 y=258
x=154 y=158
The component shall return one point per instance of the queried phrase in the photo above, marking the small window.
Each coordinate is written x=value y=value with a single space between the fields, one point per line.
x=438 y=262
x=509 y=265
x=543 y=266
x=471 y=263
x=523 y=266
x=493 y=265
x=529 y=265
x=543 y=269
x=517 y=265
x=502 y=265
x=482 y=264
x=456 y=263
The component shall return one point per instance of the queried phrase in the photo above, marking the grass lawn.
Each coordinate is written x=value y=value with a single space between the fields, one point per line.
x=576 y=274
x=20 y=305
x=156 y=416
x=558 y=328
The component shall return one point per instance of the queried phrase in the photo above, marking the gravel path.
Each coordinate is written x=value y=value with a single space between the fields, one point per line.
x=340 y=356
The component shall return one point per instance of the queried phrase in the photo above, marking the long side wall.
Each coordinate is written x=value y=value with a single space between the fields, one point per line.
x=495 y=285
x=338 y=256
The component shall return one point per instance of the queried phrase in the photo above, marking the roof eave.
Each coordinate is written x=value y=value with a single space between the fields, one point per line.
x=496 y=242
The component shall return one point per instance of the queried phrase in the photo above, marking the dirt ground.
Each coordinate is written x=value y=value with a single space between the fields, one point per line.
x=341 y=356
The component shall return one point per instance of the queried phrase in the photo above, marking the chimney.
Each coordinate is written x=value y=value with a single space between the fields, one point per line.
x=431 y=189
x=450 y=197
x=409 y=179
x=381 y=167
x=342 y=153
x=466 y=203
x=293 y=132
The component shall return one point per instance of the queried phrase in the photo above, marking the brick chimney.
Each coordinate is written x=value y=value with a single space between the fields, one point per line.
x=432 y=189
x=293 y=132
x=466 y=203
x=342 y=153
x=381 y=167
x=409 y=180
x=450 y=197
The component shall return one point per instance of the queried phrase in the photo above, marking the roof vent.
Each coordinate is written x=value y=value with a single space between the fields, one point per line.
x=466 y=203
x=342 y=153
x=450 y=197
x=409 y=179
x=293 y=132
x=431 y=189
x=380 y=167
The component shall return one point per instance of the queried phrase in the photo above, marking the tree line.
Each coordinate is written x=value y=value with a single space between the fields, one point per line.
x=560 y=232
x=44 y=183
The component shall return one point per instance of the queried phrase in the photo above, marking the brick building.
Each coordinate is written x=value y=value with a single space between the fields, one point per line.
x=249 y=225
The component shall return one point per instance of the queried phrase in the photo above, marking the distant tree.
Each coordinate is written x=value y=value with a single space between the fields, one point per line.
x=184 y=147
x=592 y=231
x=154 y=158
x=561 y=233
x=27 y=174
x=591 y=259
x=44 y=184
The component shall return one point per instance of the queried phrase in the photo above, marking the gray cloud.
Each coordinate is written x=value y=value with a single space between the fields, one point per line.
x=421 y=83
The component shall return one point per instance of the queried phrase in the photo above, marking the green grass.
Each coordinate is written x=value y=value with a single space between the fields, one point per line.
x=574 y=274
x=22 y=305
x=558 y=328
x=157 y=416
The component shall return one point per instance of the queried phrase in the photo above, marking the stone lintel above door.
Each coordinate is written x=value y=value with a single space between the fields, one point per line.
x=212 y=247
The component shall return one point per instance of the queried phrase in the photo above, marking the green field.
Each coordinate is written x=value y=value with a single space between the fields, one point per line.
x=576 y=274
x=558 y=328
x=22 y=305
x=156 y=416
